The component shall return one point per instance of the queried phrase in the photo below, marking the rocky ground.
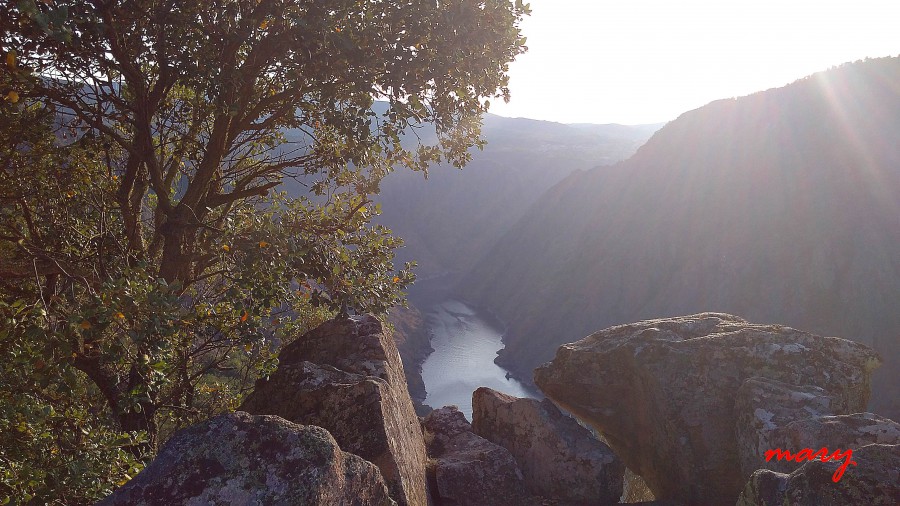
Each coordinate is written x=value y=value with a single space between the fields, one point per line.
x=691 y=404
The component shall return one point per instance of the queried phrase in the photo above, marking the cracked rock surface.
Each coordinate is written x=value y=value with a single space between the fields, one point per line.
x=662 y=392
x=559 y=458
x=874 y=481
x=241 y=459
x=347 y=377
x=468 y=470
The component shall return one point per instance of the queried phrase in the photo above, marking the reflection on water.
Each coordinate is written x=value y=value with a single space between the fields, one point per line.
x=464 y=349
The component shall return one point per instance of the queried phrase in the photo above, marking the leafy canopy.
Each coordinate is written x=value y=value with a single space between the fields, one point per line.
x=150 y=269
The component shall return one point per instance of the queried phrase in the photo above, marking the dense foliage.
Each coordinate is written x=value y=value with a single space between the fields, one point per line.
x=149 y=267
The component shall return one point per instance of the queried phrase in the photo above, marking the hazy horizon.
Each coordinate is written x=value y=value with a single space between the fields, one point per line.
x=649 y=61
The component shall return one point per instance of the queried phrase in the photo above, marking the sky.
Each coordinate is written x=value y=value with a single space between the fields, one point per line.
x=647 y=61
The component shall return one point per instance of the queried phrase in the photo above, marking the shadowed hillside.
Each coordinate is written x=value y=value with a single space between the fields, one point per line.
x=783 y=206
x=453 y=218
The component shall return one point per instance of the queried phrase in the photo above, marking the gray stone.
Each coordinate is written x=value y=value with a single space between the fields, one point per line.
x=873 y=481
x=662 y=392
x=441 y=426
x=764 y=404
x=239 y=459
x=559 y=458
x=771 y=414
x=346 y=376
x=467 y=469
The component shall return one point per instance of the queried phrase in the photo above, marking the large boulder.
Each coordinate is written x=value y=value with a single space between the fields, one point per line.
x=662 y=392
x=346 y=376
x=774 y=415
x=241 y=459
x=465 y=469
x=874 y=481
x=560 y=459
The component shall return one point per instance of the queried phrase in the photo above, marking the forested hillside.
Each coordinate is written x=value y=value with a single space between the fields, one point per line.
x=782 y=206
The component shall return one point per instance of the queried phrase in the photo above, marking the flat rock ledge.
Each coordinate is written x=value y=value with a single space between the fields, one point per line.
x=240 y=459
x=662 y=392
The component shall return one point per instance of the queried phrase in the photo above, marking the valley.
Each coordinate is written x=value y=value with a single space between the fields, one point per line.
x=779 y=206
x=465 y=344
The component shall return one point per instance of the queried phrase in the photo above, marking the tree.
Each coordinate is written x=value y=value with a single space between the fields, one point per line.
x=54 y=441
x=146 y=235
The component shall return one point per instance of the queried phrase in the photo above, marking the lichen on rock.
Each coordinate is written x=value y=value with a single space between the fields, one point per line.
x=874 y=481
x=798 y=417
x=662 y=392
x=346 y=376
x=241 y=459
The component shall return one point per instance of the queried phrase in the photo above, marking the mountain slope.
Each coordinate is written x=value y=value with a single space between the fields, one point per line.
x=453 y=218
x=781 y=207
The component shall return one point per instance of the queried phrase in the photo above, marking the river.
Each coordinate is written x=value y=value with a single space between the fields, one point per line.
x=465 y=344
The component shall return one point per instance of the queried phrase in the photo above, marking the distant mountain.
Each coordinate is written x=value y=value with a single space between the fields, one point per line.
x=780 y=207
x=453 y=218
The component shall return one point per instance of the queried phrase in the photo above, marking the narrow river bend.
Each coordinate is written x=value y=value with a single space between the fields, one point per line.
x=465 y=345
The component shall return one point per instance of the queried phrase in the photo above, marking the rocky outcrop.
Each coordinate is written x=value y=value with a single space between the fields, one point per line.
x=662 y=392
x=559 y=458
x=874 y=481
x=771 y=414
x=414 y=344
x=346 y=376
x=240 y=459
x=840 y=431
x=763 y=405
x=466 y=469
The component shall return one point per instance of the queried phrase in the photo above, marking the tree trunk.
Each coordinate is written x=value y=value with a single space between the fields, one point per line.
x=178 y=232
x=140 y=417
x=142 y=421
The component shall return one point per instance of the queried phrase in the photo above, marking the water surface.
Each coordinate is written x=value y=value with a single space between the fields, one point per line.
x=465 y=345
